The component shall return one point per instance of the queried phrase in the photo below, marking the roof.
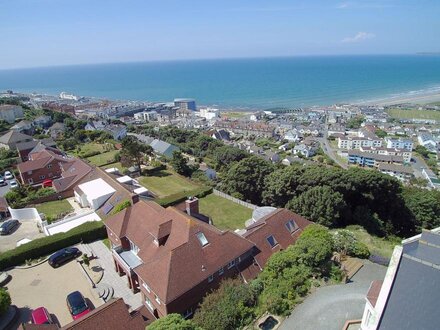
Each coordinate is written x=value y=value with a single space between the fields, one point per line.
x=274 y=224
x=14 y=137
x=96 y=188
x=72 y=172
x=413 y=300
x=28 y=145
x=395 y=168
x=181 y=260
x=163 y=147
x=41 y=158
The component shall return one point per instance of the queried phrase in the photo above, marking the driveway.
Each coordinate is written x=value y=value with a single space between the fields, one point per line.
x=329 y=307
x=27 y=229
x=44 y=286
x=5 y=189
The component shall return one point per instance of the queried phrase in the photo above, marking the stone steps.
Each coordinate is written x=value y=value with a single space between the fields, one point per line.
x=105 y=291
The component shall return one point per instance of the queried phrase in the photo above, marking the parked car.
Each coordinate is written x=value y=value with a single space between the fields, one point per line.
x=64 y=255
x=47 y=183
x=3 y=182
x=40 y=315
x=8 y=175
x=77 y=305
x=14 y=184
x=7 y=226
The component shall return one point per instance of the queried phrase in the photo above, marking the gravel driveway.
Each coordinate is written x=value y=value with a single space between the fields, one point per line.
x=329 y=307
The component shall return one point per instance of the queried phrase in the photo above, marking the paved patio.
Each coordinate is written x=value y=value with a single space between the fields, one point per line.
x=329 y=307
x=119 y=284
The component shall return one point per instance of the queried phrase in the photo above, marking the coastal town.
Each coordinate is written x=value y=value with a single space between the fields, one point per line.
x=159 y=214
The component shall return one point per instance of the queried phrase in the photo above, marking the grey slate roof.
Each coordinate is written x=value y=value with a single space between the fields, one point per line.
x=163 y=148
x=413 y=302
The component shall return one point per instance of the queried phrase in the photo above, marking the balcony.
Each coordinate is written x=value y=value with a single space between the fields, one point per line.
x=127 y=259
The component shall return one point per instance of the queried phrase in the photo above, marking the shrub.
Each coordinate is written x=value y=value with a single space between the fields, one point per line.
x=5 y=301
x=121 y=206
x=360 y=250
x=87 y=232
x=173 y=321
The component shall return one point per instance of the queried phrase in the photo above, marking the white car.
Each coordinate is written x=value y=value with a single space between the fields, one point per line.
x=8 y=175
x=13 y=184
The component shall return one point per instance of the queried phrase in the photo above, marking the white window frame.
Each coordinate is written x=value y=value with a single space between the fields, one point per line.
x=149 y=304
x=157 y=299
x=30 y=181
x=42 y=177
x=49 y=166
x=145 y=285
x=133 y=247
x=221 y=271
x=211 y=278
x=187 y=313
x=231 y=264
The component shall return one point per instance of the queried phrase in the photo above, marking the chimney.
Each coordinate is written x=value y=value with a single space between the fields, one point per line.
x=192 y=206
x=135 y=199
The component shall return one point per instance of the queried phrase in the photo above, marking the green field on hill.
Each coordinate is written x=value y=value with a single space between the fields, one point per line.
x=414 y=114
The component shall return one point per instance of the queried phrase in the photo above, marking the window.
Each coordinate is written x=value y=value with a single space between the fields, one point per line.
x=210 y=278
x=49 y=166
x=157 y=299
x=272 y=241
x=221 y=271
x=187 y=313
x=149 y=304
x=202 y=238
x=145 y=285
x=30 y=181
x=291 y=226
x=231 y=264
x=42 y=177
x=134 y=248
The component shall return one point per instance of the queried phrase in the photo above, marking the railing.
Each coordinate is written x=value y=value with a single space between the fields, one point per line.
x=235 y=200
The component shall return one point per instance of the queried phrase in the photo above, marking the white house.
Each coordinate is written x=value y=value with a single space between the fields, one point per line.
x=427 y=140
x=93 y=194
x=292 y=136
x=400 y=143
x=10 y=113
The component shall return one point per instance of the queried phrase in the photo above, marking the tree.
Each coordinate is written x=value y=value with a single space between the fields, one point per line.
x=346 y=243
x=355 y=122
x=133 y=152
x=314 y=246
x=246 y=178
x=229 y=307
x=380 y=133
x=180 y=163
x=421 y=150
x=5 y=301
x=173 y=321
x=225 y=156
x=320 y=204
x=424 y=206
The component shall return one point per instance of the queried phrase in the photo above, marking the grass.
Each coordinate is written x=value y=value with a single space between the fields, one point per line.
x=377 y=245
x=103 y=159
x=414 y=114
x=106 y=242
x=55 y=209
x=225 y=214
x=234 y=115
x=166 y=182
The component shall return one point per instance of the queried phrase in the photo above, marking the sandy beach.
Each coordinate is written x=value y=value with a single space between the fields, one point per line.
x=406 y=98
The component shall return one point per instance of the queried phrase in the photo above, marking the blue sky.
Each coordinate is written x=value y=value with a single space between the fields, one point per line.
x=57 y=32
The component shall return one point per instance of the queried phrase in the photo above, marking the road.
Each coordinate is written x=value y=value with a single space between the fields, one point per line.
x=329 y=307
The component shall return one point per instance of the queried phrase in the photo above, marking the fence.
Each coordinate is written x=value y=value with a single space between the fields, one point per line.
x=235 y=200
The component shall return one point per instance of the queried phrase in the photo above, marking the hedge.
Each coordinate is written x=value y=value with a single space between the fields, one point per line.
x=180 y=197
x=87 y=232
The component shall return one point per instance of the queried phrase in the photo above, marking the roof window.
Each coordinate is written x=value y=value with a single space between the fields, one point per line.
x=202 y=239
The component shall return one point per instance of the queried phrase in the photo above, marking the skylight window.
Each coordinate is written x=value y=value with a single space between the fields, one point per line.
x=202 y=238
x=291 y=226
x=272 y=241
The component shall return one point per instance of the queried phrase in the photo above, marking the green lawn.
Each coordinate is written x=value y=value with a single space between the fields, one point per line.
x=416 y=114
x=377 y=245
x=164 y=183
x=235 y=115
x=54 y=210
x=225 y=214
x=103 y=158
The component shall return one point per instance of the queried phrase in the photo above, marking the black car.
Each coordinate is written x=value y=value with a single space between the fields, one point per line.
x=63 y=255
x=77 y=305
x=2 y=182
x=7 y=226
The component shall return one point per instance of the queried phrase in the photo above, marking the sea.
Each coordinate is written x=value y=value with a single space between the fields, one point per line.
x=253 y=83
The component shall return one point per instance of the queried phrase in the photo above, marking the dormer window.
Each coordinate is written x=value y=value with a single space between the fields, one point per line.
x=202 y=239
x=291 y=226
x=272 y=241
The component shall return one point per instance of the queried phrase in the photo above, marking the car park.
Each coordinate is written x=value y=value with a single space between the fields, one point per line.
x=64 y=255
x=40 y=315
x=13 y=184
x=77 y=305
x=7 y=226
x=8 y=175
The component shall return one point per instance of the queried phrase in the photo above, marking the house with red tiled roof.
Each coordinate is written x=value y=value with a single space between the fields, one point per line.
x=272 y=233
x=42 y=165
x=173 y=258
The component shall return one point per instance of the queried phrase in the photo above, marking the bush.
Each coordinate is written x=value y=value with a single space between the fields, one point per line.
x=5 y=301
x=360 y=250
x=89 y=153
x=173 y=321
x=87 y=232
x=180 y=197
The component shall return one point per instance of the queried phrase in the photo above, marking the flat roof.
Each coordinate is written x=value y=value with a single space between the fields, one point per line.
x=96 y=188
x=124 y=179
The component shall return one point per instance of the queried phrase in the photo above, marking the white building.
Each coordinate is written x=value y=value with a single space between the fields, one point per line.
x=427 y=140
x=146 y=116
x=404 y=153
x=209 y=113
x=93 y=194
x=10 y=113
x=400 y=143
x=65 y=96
x=355 y=142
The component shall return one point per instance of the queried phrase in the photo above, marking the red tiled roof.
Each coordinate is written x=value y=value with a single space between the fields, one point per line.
x=181 y=261
x=40 y=159
x=274 y=224
x=373 y=292
x=72 y=172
